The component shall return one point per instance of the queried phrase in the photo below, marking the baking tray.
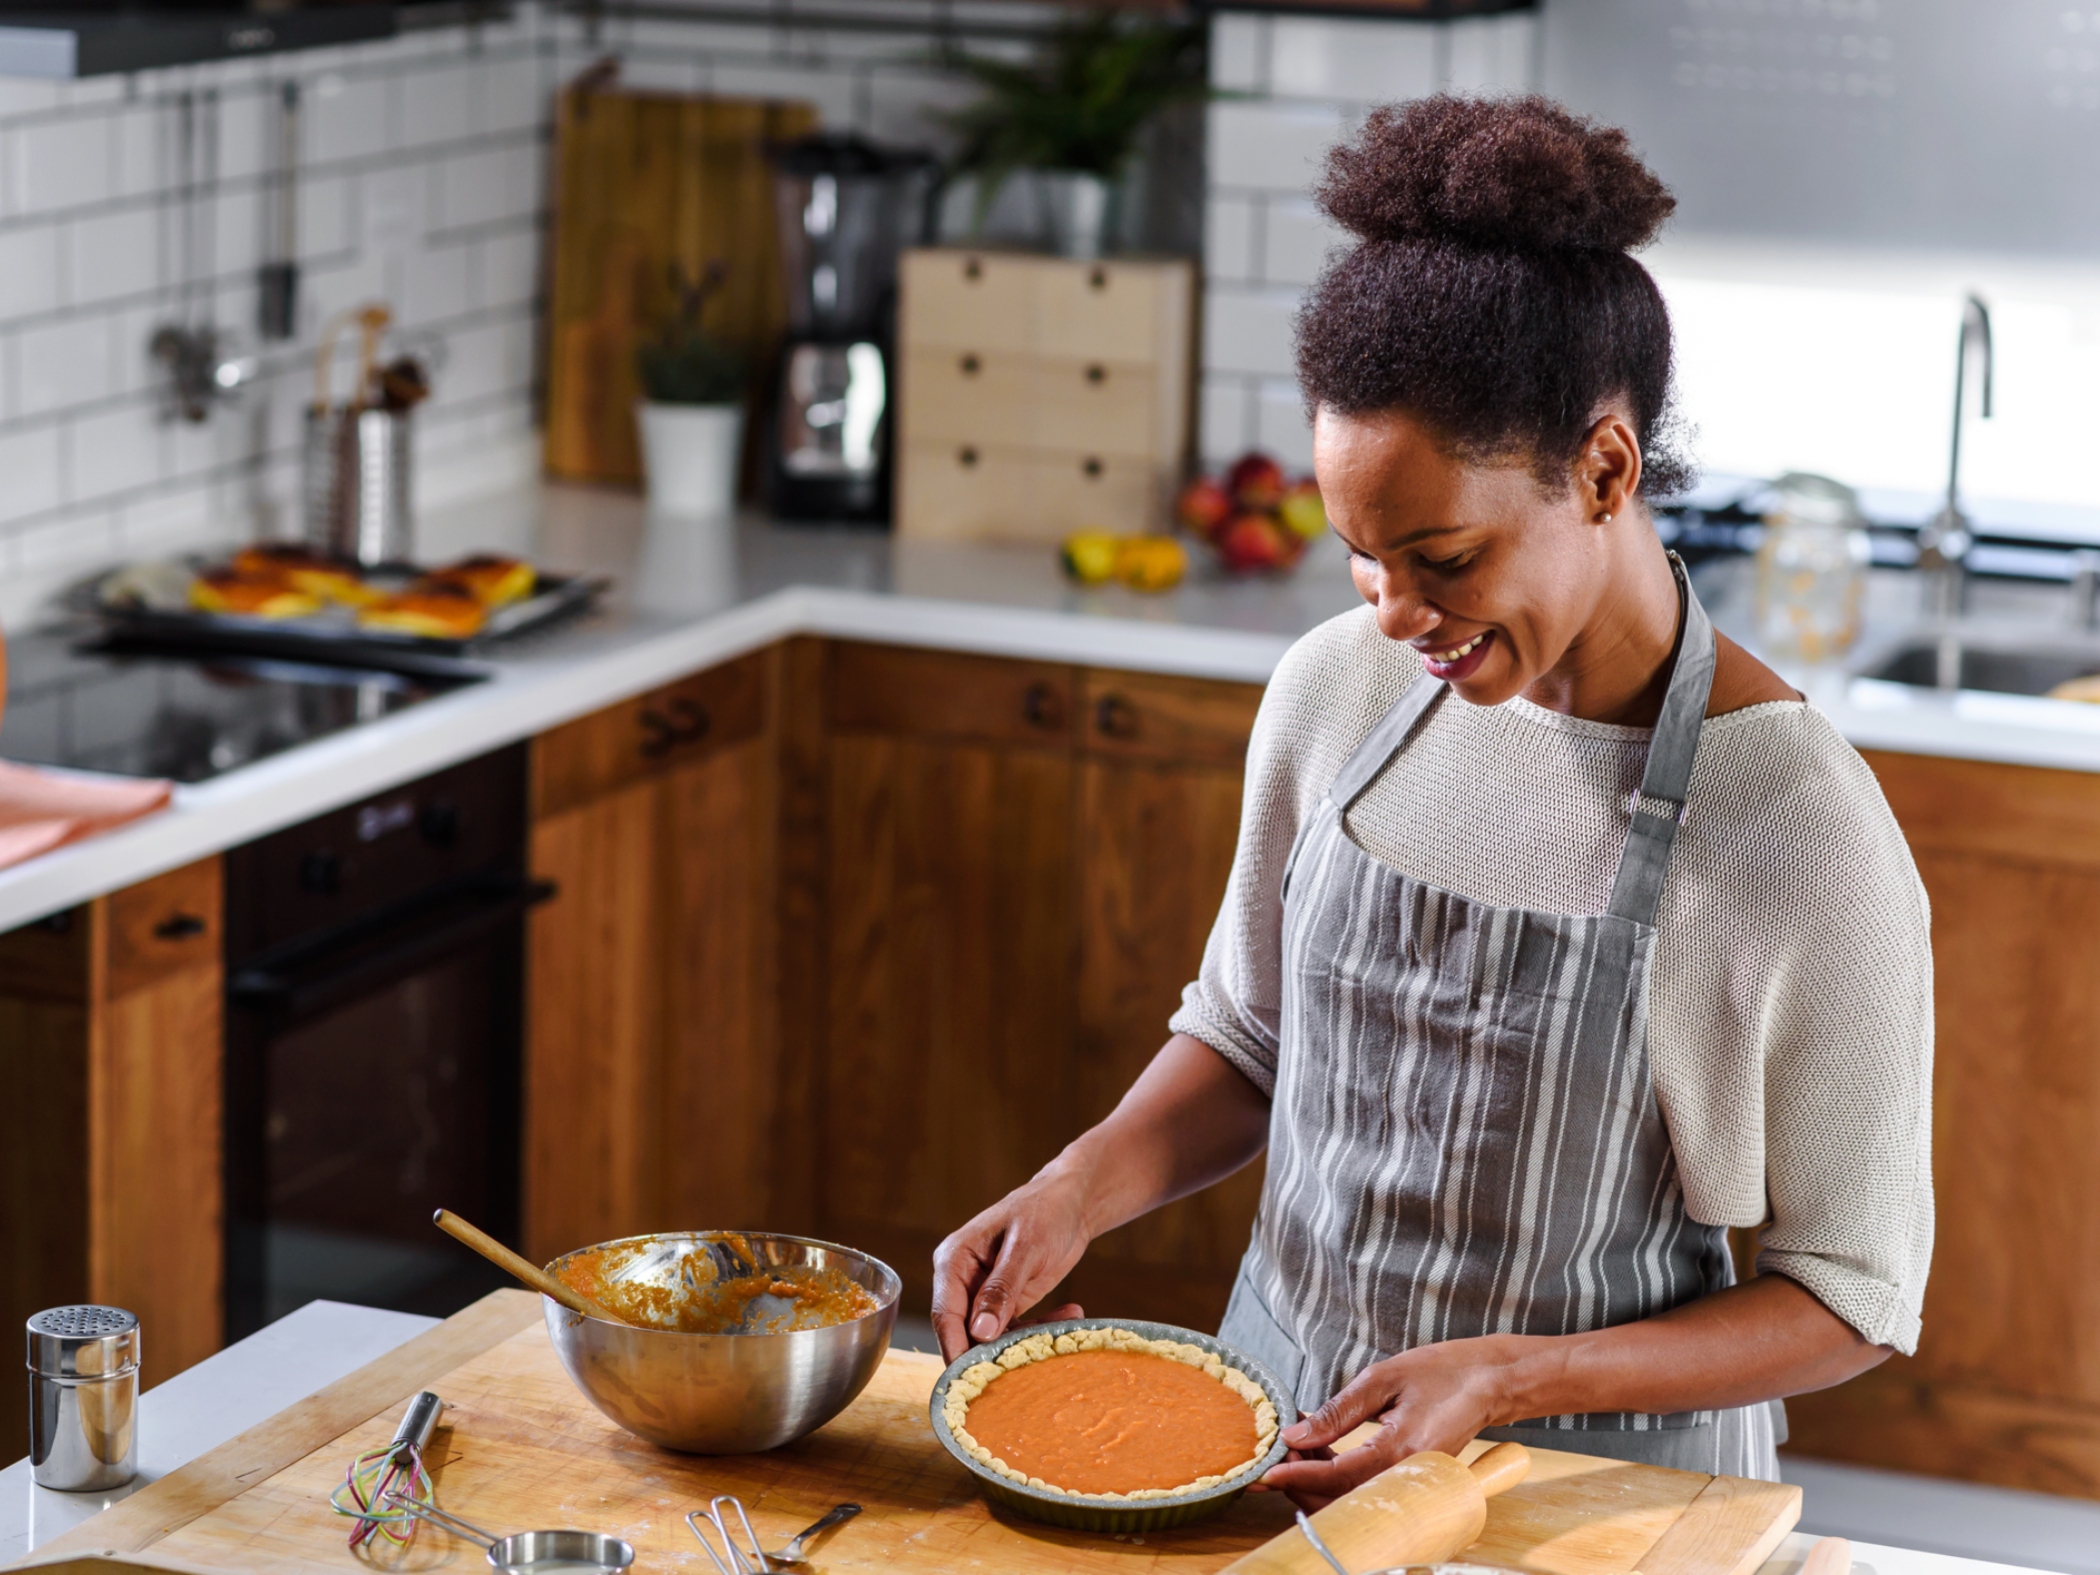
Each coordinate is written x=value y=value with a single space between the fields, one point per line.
x=333 y=634
x=1096 y=1514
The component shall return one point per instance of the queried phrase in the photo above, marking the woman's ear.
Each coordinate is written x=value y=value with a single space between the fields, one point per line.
x=1608 y=475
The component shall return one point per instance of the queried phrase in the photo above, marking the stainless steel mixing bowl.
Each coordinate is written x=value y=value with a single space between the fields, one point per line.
x=724 y=1394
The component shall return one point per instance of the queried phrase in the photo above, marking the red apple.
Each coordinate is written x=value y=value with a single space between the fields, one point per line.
x=1302 y=510
x=1203 y=506
x=1255 y=481
x=1251 y=542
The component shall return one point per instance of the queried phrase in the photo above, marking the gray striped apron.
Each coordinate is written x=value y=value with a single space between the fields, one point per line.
x=1464 y=1137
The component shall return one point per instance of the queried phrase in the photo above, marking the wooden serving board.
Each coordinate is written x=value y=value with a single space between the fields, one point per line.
x=519 y=1449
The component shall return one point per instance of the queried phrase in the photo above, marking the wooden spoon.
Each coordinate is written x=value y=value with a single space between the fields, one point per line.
x=510 y=1263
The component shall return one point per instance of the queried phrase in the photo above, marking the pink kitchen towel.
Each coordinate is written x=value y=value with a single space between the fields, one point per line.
x=41 y=810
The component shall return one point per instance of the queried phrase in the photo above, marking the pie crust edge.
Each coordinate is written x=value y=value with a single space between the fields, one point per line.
x=972 y=1380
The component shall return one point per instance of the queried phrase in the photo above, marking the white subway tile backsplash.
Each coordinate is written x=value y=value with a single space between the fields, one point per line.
x=1230 y=225
x=1225 y=422
x=60 y=164
x=113 y=452
x=248 y=135
x=1271 y=146
x=440 y=106
x=1365 y=62
x=142 y=155
x=29 y=472
x=474 y=189
x=512 y=95
x=110 y=256
x=1295 y=242
x=1280 y=426
x=1248 y=330
x=347 y=118
x=437 y=284
x=28 y=270
x=1239 y=52
x=65 y=363
x=510 y=267
x=1493 y=54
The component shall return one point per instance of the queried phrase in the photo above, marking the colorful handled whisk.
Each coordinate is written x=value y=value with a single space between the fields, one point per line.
x=394 y=1471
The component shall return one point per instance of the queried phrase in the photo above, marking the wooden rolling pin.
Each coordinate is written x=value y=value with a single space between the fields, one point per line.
x=1421 y=1511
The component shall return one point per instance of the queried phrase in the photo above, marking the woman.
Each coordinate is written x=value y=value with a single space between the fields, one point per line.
x=1562 y=935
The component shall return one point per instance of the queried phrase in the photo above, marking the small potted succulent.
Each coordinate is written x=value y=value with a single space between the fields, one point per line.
x=1072 y=113
x=691 y=412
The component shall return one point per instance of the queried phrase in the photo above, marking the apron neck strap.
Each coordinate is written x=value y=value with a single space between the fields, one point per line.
x=1657 y=809
x=1385 y=741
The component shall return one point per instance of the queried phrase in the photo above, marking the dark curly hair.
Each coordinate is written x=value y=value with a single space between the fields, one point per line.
x=1491 y=294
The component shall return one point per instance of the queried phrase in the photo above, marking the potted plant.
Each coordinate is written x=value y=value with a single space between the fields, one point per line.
x=692 y=408
x=1072 y=114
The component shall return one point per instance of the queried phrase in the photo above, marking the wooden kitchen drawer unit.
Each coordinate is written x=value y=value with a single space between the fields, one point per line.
x=960 y=491
x=1100 y=407
x=937 y=694
x=576 y=762
x=967 y=300
x=165 y=925
x=1179 y=721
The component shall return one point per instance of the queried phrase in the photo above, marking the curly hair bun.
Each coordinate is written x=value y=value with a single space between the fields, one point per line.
x=1502 y=174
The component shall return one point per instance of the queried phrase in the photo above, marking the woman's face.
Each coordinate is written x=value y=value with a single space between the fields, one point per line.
x=1493 y=578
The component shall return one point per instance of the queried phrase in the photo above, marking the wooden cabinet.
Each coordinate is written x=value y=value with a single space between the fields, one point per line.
x=1038 y=395
x=650 y=1098
x=1024 y=863
x=110 y=1178
x=2006 y=1383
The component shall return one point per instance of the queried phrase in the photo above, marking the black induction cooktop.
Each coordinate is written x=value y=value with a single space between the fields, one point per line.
x=138 y=711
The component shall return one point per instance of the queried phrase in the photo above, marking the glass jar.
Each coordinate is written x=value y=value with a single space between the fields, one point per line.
x=1811 y=570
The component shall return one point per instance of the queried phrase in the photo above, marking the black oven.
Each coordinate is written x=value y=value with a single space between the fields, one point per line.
x=374 y=981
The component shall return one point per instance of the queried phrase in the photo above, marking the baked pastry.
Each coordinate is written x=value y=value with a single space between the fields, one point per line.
x=250 y=595
x=440 y=612
x=304 y=569
x=489 y=578
x=1110 y=1414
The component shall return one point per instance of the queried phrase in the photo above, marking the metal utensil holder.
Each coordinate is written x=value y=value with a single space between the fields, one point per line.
x=357 y=479
x=83 y=1398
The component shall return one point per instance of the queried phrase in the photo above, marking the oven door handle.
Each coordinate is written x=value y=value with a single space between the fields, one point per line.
x=322 y=981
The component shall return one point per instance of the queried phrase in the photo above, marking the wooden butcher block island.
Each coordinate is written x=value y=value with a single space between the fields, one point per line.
x=519 y=1449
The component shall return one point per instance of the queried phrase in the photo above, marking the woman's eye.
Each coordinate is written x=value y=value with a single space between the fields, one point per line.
x=1448 y=565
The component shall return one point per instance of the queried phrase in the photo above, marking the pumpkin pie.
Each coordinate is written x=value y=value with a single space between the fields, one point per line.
x=1110 y=1414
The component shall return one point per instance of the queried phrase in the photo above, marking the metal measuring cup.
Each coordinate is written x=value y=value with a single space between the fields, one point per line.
x=532 y=1552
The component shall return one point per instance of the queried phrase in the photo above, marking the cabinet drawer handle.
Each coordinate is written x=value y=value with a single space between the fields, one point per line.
x=966 y=457
x=690 y=721
x=1097 y=374
x=1115 y=717
x=179 y=927
x=1091 y=467
x=1042 y=707
x=658 y=735
x=973 y=270
x=1098 y=279
x=970 y=365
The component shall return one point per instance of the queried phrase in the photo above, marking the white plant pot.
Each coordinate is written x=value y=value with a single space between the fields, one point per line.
x=1078 y=212
x=690 y=455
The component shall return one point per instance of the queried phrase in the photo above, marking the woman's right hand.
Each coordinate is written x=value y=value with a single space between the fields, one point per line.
x=1008 y=1258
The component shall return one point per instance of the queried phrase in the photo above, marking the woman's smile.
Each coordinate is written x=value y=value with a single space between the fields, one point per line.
x=1456 y=663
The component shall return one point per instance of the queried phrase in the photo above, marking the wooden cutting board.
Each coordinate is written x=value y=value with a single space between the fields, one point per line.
x=519 y=1449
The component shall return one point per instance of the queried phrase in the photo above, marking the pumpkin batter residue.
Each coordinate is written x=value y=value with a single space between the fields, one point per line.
x=695 y=1303
x=1113 y=1421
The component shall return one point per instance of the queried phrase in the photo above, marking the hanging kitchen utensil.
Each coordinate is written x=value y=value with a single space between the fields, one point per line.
x=277 y=310
x=533 y=1552
x=203 y=365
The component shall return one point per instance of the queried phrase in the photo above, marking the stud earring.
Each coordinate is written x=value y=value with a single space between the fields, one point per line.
x=1604 y=519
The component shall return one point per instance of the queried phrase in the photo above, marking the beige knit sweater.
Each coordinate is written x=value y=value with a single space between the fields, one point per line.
x=1790 y=1025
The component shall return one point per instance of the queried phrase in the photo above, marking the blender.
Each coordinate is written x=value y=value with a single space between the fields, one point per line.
x=846 y=208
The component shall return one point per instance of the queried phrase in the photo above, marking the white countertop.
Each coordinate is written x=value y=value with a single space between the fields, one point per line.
x=252 y=1380
x=686 y=598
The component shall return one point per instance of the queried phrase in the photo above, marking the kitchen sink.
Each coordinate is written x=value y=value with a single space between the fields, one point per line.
x=1957 y=664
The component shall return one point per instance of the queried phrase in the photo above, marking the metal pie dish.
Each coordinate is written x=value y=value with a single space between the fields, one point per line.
x=724 y=1394
x=1076 y=1513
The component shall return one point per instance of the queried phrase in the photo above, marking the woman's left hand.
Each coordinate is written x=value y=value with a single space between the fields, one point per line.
x=1433 y=1397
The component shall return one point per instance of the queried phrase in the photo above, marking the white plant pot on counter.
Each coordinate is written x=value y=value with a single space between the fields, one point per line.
x=690 y=456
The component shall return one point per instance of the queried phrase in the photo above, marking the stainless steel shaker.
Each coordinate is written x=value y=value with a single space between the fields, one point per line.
x=83 y=1398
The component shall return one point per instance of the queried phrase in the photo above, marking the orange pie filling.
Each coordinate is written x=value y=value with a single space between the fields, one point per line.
x=1106 y=1413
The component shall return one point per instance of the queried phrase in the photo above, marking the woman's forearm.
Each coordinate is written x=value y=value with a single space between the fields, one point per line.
x=1756 y=1341
x=1189 y=1120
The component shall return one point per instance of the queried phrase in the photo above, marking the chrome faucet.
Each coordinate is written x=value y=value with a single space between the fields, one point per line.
x=1944 y=540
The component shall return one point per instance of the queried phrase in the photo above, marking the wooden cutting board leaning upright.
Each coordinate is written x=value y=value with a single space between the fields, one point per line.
x=518 y=1449
x=644 y=182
